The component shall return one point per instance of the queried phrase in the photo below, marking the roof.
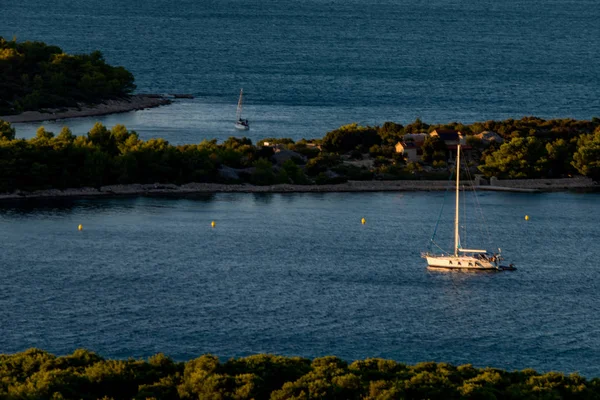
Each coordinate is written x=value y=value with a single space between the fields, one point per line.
x=409 y=145
x=446 y=134
x=490 y=136
x=417 y=137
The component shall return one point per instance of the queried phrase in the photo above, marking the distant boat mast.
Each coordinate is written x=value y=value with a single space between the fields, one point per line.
x=240 y=123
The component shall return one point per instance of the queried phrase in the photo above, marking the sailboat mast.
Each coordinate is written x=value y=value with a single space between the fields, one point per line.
x=457 y=200
x=239 y=106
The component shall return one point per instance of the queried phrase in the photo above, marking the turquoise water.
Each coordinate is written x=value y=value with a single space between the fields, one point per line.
x=298 y=274
x=308 y=67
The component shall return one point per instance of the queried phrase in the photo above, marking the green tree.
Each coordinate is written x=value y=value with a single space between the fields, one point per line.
x=434 y=149
x=560 y=156
x=586 y=159
x=349 y=137
x=416 y=127
x=103 y=139
x=235 y=143
x=519 y=158
x=42 y=135
x=294 y=172
x=263 y=173
x=7 y=132
x=391 y=132
x=322 y=163
x=65 y=135
x=34 y=75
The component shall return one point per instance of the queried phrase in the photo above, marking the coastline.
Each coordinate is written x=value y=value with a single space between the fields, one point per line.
x=133 y=103
x=157 y=189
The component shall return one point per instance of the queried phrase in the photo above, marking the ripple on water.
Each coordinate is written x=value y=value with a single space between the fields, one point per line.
x=299 y=275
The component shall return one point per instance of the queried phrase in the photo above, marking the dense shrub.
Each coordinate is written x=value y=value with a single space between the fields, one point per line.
x=117 y=156
x=350 y=137
x=35 y=374
x=34 y=75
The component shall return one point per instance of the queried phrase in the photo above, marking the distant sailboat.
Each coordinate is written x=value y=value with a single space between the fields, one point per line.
x=240 y=123
x=465 y=259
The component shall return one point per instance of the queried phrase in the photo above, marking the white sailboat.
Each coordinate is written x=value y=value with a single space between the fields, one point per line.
x=240 y=123
x=465 y=259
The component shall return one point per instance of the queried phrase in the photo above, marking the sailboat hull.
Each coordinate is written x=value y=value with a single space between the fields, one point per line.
x=463 y=258
x=460 y=263
x=241 y=127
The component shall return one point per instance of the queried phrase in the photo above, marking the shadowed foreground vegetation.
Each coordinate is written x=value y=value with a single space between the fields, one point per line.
x=35 y=374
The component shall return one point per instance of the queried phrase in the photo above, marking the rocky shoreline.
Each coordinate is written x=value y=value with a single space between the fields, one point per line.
x=132 y=103
x=157 y=189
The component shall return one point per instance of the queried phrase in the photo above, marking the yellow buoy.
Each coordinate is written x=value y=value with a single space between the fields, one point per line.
x=363 y=221
x=527 y=218
x=80 y=227
x=213 y=224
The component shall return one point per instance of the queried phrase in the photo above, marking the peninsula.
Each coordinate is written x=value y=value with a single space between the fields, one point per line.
x=115 y=161
x=41 y=82
x=111 y=106
x=40 y=78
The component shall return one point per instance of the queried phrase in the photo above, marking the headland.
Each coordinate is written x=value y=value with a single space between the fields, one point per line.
x=131 y=103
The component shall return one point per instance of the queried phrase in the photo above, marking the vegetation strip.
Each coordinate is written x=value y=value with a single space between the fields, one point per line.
x=117 y=156
x=36 y=374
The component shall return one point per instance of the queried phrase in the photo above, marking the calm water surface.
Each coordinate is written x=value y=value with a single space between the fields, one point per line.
x=297 y=274
x=308 y=67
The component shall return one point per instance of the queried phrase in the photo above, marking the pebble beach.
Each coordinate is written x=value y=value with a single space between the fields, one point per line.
x=159 y=189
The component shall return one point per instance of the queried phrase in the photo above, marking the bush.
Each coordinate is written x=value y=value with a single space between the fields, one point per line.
x=440 y=164
x=323 y=179
x=354 y=173
x=263 y=173
x=322 y=163
x=355 y=155
x=375 y=151
x=349 y=137
x=35 y=374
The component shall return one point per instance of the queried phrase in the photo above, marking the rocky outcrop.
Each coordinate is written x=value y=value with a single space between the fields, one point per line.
x=282 y=156
x=228 y=173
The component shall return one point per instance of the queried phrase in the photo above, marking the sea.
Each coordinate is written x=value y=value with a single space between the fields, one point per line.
x=298 y=274
x=308 y=67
